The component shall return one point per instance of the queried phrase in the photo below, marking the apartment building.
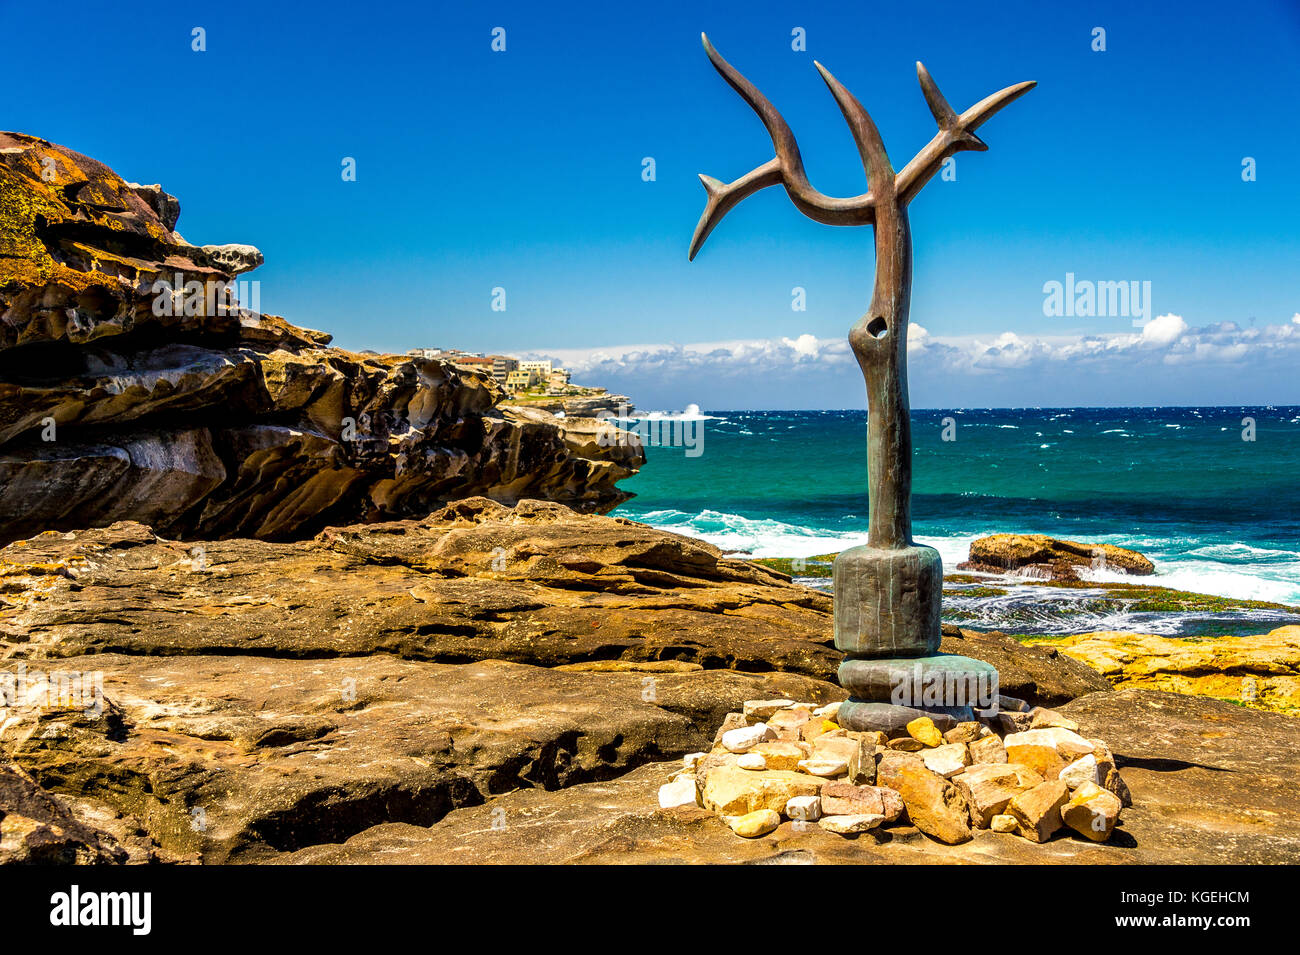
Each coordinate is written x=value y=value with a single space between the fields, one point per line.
x=502 y=366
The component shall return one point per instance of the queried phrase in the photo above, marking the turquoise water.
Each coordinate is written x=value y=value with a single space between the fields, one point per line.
x=1218 y=514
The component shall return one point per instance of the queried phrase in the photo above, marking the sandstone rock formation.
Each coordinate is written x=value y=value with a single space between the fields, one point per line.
x=1041 y=556
x=1212 y=784
x=1041 y=675
x=585 y=406
x=263 y=697
x=1262 y=670
x=135 y=386
x=537 y=583
x=39 y=828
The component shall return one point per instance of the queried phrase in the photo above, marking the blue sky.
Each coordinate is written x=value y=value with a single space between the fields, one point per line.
x=523 y=170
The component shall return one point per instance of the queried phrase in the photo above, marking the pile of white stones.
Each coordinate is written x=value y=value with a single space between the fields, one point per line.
x=1023 y=771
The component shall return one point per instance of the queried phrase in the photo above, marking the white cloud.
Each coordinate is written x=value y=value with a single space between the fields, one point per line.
x=1164 y=329
x=1166 y=339
x=805 y=345
x=737 y=356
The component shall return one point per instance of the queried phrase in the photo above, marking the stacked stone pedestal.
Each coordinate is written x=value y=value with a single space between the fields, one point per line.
x=887 y=623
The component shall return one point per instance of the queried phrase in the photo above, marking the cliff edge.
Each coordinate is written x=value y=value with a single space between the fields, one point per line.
x=135 y=385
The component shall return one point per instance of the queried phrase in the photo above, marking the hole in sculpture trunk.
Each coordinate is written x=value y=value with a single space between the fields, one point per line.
x=877 y=327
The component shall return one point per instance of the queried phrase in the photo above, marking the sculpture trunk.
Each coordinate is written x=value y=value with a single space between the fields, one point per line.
x=887 y=591
x=879 y=341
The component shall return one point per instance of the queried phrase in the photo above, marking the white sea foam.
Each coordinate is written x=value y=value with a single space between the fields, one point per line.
x=771 y=538
x=690 y=413
x=1235 y=571
x=762 y=537
x=1216 y=579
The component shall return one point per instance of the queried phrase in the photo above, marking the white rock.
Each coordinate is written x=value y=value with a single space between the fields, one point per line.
x=691 y=760
x=751 y=761
x=235 y=258
x=805 y=808
x=1081 y=771
x=838 y=747
x=764 y=709
x=825 y=766
x=847 y=825
x=827 y=712
x=744 y=738
x=1067 y=743
x=1003 y=823
x=679 y=792
x=947 y=760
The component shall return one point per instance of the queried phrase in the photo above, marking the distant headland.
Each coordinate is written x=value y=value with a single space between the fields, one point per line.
x=536 y=383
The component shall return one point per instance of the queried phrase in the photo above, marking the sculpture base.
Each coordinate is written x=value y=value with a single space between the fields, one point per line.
x=863 y=716
x=887 y=694
x=887 y=601
x=939 y=680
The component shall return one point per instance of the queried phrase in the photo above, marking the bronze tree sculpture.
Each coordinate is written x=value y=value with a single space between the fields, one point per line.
x=887 y=592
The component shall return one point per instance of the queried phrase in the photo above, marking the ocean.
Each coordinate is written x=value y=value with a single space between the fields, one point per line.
x=1211 y=495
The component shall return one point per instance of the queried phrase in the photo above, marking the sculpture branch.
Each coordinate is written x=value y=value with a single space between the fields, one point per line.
x=787 y=167
x=875 y=161
x=955 y=134
x=886 y=192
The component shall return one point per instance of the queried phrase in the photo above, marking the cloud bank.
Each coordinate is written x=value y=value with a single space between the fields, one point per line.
x=1164 y=362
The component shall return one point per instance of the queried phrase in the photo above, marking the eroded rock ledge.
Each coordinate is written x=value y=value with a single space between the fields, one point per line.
x=217 y=421
x=1262 y=670
x=1212 y=784
x=263 y=697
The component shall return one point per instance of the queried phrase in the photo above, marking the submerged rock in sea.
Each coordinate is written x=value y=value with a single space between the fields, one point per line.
x=1041 y=556
x=137 y=383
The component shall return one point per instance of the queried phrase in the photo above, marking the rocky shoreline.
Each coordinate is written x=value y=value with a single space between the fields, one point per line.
x=137 y=386
x=1218 y=649
x=1035 y=605
x=1260 y=671
x=498 y=683
x=263 y=600
x=597 y=404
